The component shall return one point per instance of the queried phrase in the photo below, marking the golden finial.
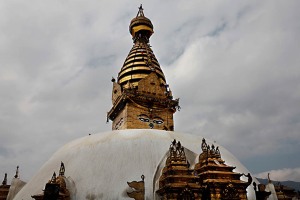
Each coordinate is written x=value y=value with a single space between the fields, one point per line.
x=140 y=12
x=141 y=27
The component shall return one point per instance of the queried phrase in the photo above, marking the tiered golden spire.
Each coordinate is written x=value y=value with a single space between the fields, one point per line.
x=141 y=98
x=141 y=60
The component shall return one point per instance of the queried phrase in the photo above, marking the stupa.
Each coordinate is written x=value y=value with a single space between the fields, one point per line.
x=142 y=157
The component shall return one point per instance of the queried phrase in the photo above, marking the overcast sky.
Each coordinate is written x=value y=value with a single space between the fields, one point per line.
x=233 y=64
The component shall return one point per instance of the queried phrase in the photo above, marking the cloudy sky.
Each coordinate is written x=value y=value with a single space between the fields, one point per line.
x=233 y=64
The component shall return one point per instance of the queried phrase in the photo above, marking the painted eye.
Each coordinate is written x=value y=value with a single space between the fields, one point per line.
x=158 y=121
x=144 y=119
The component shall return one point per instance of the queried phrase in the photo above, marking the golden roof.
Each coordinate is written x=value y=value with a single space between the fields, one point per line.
x=141 y=60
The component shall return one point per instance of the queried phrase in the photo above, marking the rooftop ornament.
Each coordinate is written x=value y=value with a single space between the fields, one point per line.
x=62 y=169
x=53 y=179
x=141 y=27
x=17 y=172
x=4 y=182
x=213 y=152
x=176 y=151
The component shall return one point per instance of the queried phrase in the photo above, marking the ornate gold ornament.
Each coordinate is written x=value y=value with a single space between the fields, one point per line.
x=56 y=187
x=210 y=179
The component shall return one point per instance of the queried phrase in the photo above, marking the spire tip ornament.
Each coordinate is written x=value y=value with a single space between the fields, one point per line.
x=140 y=12
x=141 y=28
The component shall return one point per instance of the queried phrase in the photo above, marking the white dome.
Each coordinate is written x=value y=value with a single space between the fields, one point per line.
x=99 y=166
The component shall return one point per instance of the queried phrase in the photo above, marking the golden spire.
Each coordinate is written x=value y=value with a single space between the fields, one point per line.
x=141 y=60
x=141 y=98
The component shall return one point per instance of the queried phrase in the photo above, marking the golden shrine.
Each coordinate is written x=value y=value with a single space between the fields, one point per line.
x=210 y=179
x=219 y=178
x=56 y=187
x=178 y=180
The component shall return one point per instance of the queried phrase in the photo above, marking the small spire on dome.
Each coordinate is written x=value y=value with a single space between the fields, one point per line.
x=17 y=172
x=62 y=169
x=204 y=145
x=53 y=179
x=176 y=152
x=218 y=154
x=4 y=182
x=174 y=142
x=143 y=177
x=269 y=179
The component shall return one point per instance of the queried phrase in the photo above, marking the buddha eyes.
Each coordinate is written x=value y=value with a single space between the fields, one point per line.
x=158 y=121
x=145 y=118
